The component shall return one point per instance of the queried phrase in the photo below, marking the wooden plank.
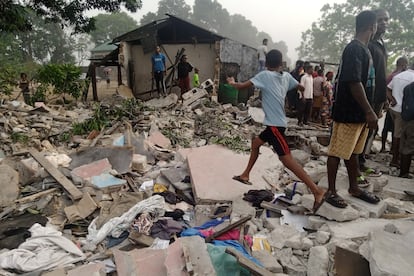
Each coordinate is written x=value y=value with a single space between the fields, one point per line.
x=248 y=264
x=73 y=191
x=228 y=228
x=35 y=196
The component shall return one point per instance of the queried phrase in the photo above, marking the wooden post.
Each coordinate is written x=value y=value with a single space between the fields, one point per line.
x=119 y=75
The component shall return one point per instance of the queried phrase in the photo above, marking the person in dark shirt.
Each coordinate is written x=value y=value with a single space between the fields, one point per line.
x=379 y=56
x=352 y=112
x=184 y=68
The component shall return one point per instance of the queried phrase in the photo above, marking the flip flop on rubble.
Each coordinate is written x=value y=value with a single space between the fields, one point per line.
x=367 y=197
x=372 y=172
x=336 y=201
x=317 y=205
x=244 y=181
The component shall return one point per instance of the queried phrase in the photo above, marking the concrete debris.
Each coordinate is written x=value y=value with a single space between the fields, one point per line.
x=146 y=194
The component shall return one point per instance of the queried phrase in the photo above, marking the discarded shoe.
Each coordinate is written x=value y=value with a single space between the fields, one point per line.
x=336 y=201
x=372 y=172
x=238 y=178
x=362 y=182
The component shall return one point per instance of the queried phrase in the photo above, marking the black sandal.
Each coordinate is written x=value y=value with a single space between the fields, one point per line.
x=336 y=201
x=367 y=197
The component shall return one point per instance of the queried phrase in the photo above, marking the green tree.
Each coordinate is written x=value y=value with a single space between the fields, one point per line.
x=217 y=19
x=14 y=16
x=336 y=27
x=109 y=26
x=177 y=8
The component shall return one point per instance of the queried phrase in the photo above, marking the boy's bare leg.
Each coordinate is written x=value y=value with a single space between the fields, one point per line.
x=297 y=169
x=254 y=154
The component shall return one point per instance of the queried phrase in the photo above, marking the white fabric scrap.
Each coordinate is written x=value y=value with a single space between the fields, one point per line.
x=44 y=250
x=115 y=226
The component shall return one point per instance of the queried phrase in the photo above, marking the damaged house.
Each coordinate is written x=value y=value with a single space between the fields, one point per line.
x=215 y=56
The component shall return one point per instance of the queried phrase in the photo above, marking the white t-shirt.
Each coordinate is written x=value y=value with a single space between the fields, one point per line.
x=307 y=82
x=397 y=85
x=262 y=50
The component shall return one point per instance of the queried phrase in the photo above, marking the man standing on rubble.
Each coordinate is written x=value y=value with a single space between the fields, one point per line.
x=159 y=70
x=352 y=112
x=379 y=57
x=274 y=84
x=261 y=55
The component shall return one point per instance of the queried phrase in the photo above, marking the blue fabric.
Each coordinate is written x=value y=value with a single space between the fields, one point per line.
x=194 y=231
x=158 y=61
x=274 y=86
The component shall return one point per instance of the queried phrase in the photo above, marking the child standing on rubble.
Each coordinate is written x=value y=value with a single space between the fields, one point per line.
x=274 y=84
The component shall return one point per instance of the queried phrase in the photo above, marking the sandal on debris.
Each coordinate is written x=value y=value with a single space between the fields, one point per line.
x=372 y=172
x=362 y=182
x=238 y=178
x=336 y=201
x=367 y=197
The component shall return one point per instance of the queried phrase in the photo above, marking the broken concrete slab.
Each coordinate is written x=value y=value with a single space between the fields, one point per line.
x=301 y=156
x=212 y=168
x=193 y=95
x=82 y=209
x=396 y=187
x=29 y=171
x=268 y=261
x=106 y=180
x=330 y=212
x=9 y=185
x=360 y=228
x=119 y=157
x=139 y=163
x=374 y=210
x=381 y=262
x=139 y=262
x=196 y=256
x=174 y=261
x=318 y=262
x=158 y=139
x=399 y=206
x=278 y=237
x=87 y=171
x=176 y=176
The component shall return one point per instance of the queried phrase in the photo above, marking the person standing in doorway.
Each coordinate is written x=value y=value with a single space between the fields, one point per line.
x=352 y=112
x=184 y=69
x=159 y=70
x=261 y=55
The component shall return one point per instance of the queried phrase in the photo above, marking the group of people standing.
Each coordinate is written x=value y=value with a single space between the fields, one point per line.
x=360 y=94
x=159 y=71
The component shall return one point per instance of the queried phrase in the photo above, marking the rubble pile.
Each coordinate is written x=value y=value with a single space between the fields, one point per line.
x=151 y=193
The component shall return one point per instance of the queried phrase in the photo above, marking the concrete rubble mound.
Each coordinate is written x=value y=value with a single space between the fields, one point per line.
x=125 y=187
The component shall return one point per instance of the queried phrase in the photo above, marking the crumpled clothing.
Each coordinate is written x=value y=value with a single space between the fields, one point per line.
x=166 y=228
x=115 y=226
x=177 y=214
x=256 y=197
x=143 y=224
x=44 y=250
x=171 y=197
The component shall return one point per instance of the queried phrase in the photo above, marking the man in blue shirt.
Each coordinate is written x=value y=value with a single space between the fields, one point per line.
x=158 y=70
x=274 y=84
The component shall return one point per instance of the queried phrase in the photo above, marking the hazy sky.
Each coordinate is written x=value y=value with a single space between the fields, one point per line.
x=281 y=19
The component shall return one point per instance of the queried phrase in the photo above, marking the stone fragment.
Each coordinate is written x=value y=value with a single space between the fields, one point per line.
x=9 y=185
x=279 y=235
x=268 y=261
x=318 y=261
x=139 y=163
x=96 y=269
x=29 y=171
x=381 y=262
x=396 y=188
x=301 y=156
x=322 y=237
x=374 y=210
x=157 y=138
x=330 y=212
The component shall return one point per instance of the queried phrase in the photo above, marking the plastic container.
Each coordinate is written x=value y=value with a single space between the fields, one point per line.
x=228 y=94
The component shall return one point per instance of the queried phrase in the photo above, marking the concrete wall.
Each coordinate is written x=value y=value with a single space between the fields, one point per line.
x=200 y=56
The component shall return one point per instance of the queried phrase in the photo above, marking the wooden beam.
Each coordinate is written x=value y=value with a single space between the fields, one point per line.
x=93 y=78
x=35 y=196
x=228 y=228
x=74 y=192
x=248 y=264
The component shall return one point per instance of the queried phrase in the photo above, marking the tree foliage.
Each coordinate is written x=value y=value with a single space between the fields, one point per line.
x=14 y=16
x=109 y=26
x=328 y=36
